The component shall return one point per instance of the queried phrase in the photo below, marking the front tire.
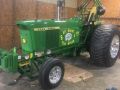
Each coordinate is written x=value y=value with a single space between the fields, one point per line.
x=51 y=74
x=105 y=45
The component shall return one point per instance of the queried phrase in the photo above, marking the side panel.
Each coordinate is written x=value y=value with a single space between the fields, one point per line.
x=50 y=34
x=26 y=40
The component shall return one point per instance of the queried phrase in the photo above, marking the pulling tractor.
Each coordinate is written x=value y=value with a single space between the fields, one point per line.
x=43 y=40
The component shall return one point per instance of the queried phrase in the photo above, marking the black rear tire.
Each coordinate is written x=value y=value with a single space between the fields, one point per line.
x=101 y=45
x=45 y=70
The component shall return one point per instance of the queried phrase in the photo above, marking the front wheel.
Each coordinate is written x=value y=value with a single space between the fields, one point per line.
x=51 y=74
x=105 y=45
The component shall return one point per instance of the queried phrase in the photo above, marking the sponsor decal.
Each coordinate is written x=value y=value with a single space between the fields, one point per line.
x=68 y=37
x=46 y=28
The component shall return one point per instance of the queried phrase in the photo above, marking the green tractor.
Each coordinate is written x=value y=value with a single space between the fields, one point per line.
x=42 y=41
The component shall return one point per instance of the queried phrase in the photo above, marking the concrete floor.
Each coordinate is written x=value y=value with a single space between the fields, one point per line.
x=103 y=78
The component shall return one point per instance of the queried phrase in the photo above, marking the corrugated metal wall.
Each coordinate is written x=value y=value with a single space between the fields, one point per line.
x=6 y=22
x=112 y=11
x=13 y=10
x=112 y=15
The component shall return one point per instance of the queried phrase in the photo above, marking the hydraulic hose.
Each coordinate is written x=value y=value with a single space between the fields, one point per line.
x=84 y=4
x=98 y=3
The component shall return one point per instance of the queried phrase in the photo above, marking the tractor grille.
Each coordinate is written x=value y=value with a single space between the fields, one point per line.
x=8 y=62
x=52 y=39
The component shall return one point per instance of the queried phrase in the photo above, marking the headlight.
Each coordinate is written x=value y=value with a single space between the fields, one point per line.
x=38 y=54
x=19 y=57
x=24 y=40
x=27 y=57
x=49 y=52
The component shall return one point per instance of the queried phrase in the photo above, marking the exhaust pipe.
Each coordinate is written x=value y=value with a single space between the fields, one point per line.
x=59 y=6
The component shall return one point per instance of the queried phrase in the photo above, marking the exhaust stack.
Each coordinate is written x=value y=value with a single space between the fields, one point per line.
x=59 y=8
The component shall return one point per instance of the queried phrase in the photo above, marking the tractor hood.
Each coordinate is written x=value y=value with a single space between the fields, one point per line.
x=48 y=23
x=41 y=35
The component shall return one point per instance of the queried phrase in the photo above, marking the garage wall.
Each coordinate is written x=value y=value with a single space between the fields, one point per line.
x=112 y=14
x=6 y=21
x=69 y=3
x=112 y=11
x=13 y=10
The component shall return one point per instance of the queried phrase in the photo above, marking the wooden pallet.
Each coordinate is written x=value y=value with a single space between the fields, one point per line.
x=75 y=74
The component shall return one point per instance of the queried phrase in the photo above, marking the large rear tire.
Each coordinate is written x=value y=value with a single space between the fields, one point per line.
x=51 y=74
x=105 y=45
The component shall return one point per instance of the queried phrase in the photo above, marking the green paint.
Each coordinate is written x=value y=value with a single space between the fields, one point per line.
x=43 y=38
x=49 y=34
x=9 y=60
